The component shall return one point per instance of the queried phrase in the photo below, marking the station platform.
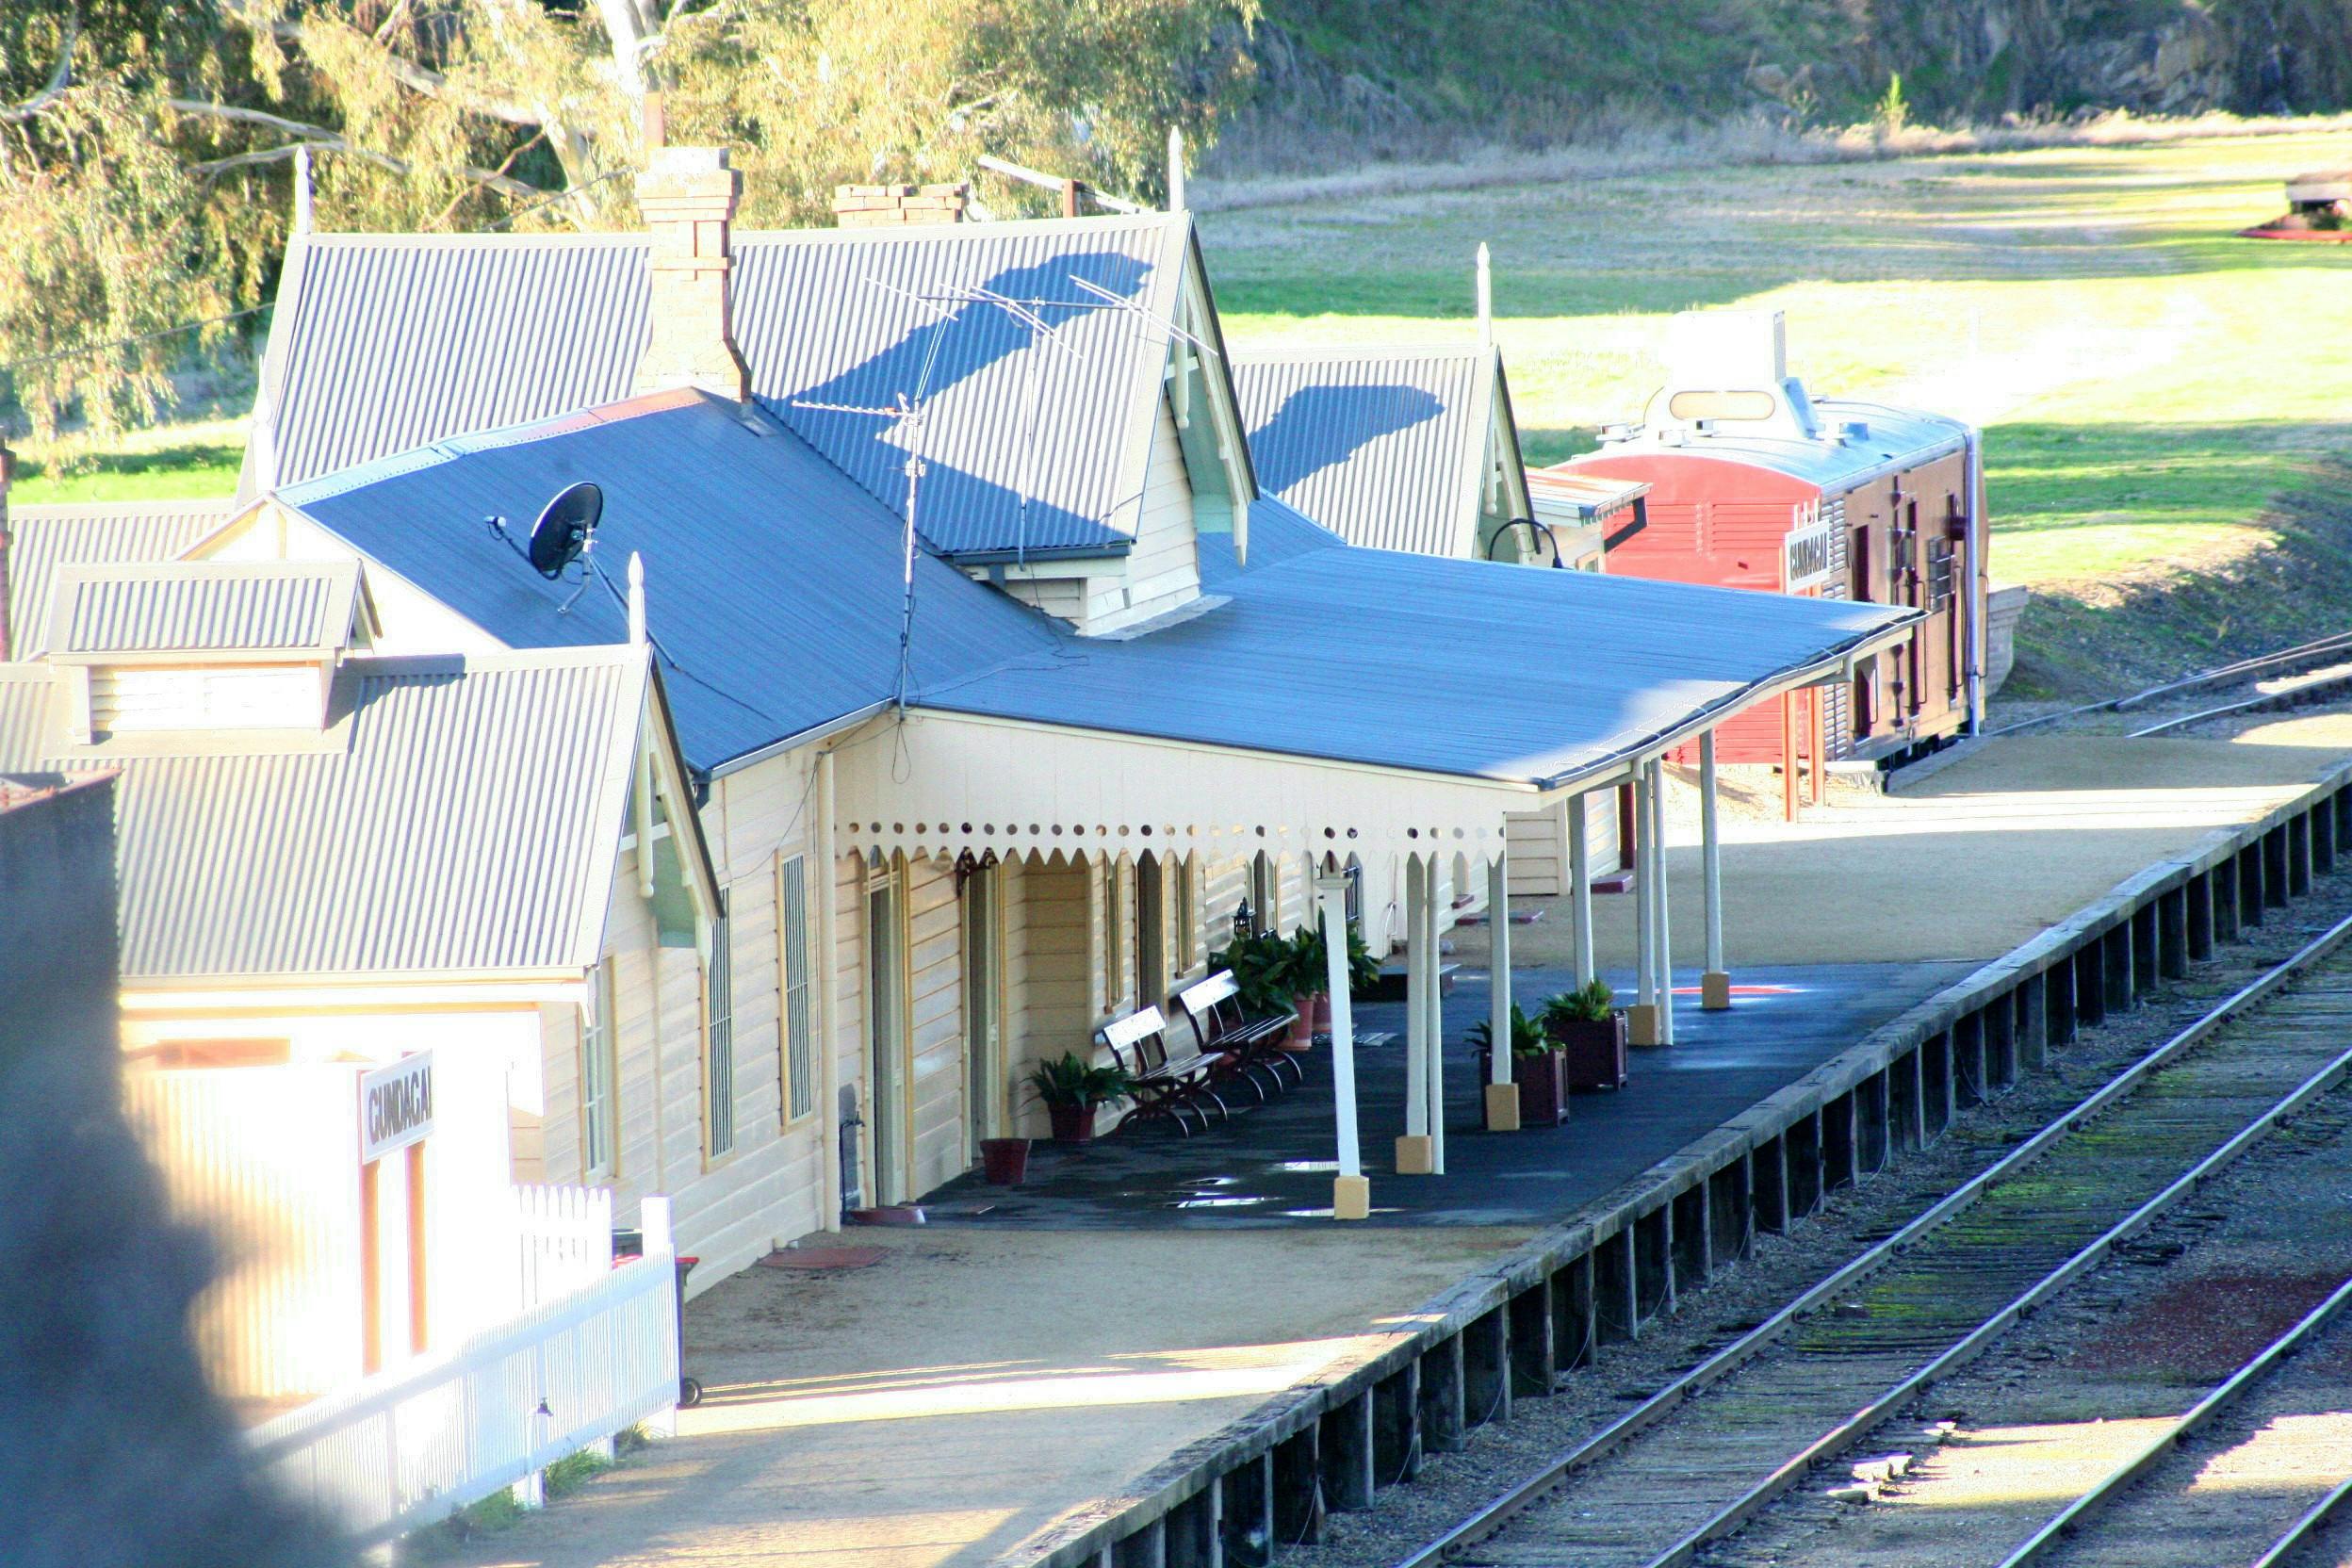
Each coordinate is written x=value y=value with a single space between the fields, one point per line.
x=912 y=1397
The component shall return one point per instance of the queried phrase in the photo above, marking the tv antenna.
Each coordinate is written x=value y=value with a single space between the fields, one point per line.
x=566 y=532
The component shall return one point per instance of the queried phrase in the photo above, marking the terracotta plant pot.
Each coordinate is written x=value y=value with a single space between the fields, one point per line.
x=1005 y=1162
x=1542 y=1089
x=1593 y=1052
x=1301 y=1035
x=1322 y=1012
x=1072 y=1124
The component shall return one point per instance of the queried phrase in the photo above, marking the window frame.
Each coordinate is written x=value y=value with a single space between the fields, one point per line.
x=795 y=1014
x=718 y=1040
x=598 y=1044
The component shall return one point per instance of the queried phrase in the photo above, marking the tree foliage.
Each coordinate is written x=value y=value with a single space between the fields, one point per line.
x=147 y=148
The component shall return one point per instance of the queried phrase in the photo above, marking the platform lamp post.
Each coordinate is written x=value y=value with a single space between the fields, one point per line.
x=1351 y=1191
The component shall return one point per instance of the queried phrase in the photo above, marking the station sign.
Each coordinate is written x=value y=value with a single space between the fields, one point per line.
x=1804 y=559
x=395 y=1106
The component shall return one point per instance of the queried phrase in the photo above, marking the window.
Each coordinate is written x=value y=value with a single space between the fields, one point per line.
x=1722 y=406
x=1265 y=893
x=1113 y=937
x=596 y=1032
x=800 y=1072
x=719 y=1039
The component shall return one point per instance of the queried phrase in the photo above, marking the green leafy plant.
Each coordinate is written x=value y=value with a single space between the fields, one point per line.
x=1071 y=1080
x=1262 y=967
x=1310 y=962
x=1526 y=1038
x=1590 y=1005
x=1892 y=112
x=1363 y=966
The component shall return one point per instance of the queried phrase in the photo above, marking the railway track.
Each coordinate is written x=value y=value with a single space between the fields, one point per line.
x=2302 y=657
x=1695 y=1462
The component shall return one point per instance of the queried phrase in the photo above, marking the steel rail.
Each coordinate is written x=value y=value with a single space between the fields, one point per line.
x=2220 y=675
x=2120 y=1479
x=1658 y=1406
x=2312 y=1520
x=2286 y=696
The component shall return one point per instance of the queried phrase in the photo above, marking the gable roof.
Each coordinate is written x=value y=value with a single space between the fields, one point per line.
x=383 y=343
x=775 y=585
x=1385 y=447
x=460 y=814
x=185 y=607
x=43 y=538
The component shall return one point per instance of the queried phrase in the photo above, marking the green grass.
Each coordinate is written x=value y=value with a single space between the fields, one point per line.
x=194 y=461
x=2157 y=394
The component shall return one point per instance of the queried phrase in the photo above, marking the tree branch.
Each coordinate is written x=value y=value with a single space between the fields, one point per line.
x=320 y=138
x=59 y=79
x=430 y=83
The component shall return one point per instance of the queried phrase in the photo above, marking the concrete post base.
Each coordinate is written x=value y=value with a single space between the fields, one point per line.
x=1642 y=1024
x=1416 y=1155
x=1714 y=992
x=1502 y=1107
x=1351 y=1197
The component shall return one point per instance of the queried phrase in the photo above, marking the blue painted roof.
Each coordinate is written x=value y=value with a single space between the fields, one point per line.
x=774 y=583
x=1465 y=667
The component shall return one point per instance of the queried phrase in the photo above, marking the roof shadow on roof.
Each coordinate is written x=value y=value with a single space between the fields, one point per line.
x=959 y=340
x=1319 y=427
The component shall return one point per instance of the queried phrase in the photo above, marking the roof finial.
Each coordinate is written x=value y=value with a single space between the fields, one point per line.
x=302 y=190
x=1175 y=168
x=636 y=600
x=1486 y=299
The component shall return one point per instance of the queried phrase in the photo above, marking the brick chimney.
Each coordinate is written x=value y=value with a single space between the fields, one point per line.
x=874 y=206
x=687 y=197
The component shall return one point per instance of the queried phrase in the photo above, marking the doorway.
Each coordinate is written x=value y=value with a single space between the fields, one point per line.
x=886 y=1039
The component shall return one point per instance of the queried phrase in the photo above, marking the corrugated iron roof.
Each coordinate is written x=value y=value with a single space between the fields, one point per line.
x=774 y=583
x=190 y=606
x=1591 y=669
x=1384 y=447
x=460 y=815
x=1888 y=440
x=43 y=538
x=396 y=341
x=1591 y=497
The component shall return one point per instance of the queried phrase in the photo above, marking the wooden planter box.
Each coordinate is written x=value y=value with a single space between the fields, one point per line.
x=1542 y=1088
x=1592 y=1054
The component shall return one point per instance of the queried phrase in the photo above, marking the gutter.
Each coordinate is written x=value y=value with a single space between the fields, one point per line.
x=806 y=737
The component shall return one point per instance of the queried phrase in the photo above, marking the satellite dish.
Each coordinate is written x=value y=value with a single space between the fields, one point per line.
x=564 y=529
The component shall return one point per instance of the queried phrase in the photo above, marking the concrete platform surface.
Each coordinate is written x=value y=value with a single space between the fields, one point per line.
x=1979 y=858
x=1015 y=1363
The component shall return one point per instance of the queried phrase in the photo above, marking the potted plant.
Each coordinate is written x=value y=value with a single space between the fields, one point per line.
x=1309 y=974
x=1363 y=966
x=1535 y=1067
x=1262 y=966
x=1004 y=1162
x=1072 y=1089
x=1592 y=1035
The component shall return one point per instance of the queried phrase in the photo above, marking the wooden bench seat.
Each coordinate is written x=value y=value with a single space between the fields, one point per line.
x=1169 y=1082
x=1253 y=1045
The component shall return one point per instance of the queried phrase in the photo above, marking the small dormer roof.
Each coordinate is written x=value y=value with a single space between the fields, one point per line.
x=302 y=610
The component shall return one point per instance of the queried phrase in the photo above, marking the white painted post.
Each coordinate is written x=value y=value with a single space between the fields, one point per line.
x=636 y=600
x=661 y=1243
x=1665 y=926
x=820 y=890
x=1413 y=1152
x=1715 y=984
x=1433 y=1024
x=1175 y=168
x=1486 y=298
x=1351 y=1192
x=1580 y=886
x=1498 y=920
x=1644 y=1018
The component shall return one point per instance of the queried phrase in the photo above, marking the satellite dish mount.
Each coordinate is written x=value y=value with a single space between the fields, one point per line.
x=566 y=532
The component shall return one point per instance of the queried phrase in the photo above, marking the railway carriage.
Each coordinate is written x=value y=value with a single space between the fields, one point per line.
x=1754 y=483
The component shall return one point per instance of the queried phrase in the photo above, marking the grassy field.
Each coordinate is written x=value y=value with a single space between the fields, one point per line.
x=2167 y=407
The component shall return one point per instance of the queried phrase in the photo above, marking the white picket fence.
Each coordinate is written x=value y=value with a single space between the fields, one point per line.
x=565 y=1236
x=417 y=1443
